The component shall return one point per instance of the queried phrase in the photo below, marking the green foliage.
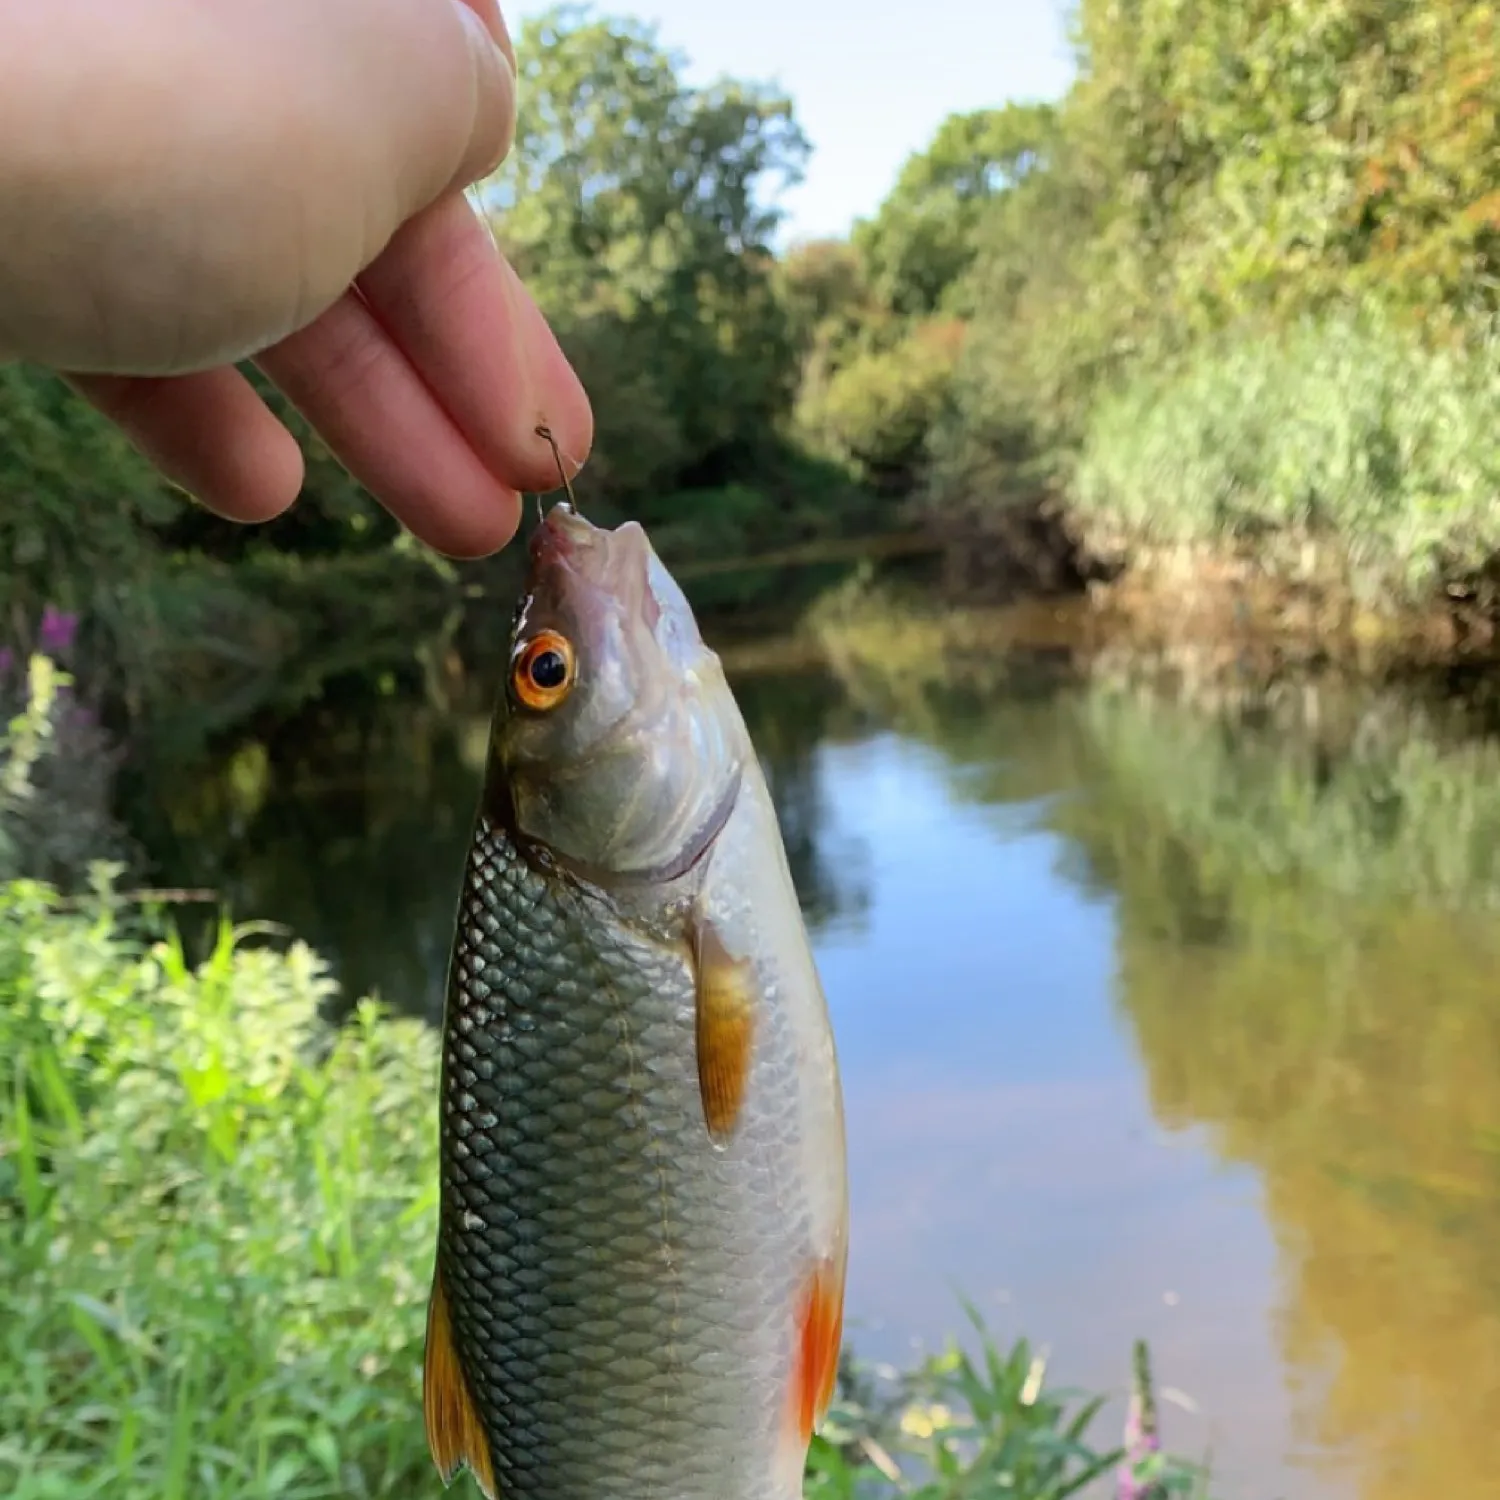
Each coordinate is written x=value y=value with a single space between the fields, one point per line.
x=874 y=411
x=74 y=503
x=825 y=290
x=926 y=233
x=265 y=634
x=960 y=1426
x=215 y=1221
x=189 y=623
x=881 y=335
x=1266 y=151
x=639 y=211
x=1338 y=429
x=1221 y=179
x=77 y=508
x=216 y=1229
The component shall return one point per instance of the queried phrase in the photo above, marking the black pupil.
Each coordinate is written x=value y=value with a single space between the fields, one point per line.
x=548 y=669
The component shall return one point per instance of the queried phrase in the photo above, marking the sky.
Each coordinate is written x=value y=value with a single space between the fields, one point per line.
x=870 y=81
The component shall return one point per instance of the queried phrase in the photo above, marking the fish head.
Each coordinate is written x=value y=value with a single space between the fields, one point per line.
x=618 y=738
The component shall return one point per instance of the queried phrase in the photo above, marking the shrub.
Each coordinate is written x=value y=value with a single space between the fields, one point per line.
x=1342 y=429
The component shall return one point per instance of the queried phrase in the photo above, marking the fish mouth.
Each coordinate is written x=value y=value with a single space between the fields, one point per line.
x=563 y=533
x=569 y=553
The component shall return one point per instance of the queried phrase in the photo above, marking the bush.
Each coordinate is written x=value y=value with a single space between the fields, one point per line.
x=1341 y=429
x=875 y=411
x=215 y=1221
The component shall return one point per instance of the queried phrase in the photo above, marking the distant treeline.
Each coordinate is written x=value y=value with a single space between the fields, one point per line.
x=1240 y=284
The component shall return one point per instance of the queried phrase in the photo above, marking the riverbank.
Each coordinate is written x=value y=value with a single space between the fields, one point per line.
x=1229 y=606
x=219 y=1216
x=1249 y=854
x=1324 y=490
x=1235 y=606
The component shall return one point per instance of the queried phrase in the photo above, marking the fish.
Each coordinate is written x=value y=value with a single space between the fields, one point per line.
x=643 y=1228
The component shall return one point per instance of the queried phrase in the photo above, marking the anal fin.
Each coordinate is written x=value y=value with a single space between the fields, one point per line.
x=820 y=1336
x=726 y=1006
x=455 y=1435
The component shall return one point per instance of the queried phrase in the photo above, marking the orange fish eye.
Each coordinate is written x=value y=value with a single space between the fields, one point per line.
x=542 y=674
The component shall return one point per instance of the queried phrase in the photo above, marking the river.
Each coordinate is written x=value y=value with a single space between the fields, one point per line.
x=1161 y=1014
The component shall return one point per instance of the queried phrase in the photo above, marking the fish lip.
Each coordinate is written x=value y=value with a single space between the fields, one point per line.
x=567 y=540
x=562 y=534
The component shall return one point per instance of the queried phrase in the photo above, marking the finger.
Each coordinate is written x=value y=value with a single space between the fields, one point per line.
x=492 y=128
x=488 y=11
x=207 y=432
x=351 y=382
x=458 y=310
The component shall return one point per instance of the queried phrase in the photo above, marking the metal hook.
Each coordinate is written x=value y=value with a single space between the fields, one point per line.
x=544 y=431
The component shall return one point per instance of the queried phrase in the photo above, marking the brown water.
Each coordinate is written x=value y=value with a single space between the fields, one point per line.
x=1155 y=1020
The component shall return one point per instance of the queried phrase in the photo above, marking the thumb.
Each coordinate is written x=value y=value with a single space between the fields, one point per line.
x=493 y=126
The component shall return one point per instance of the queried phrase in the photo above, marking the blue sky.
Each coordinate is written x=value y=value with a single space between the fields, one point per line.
x=871 y=81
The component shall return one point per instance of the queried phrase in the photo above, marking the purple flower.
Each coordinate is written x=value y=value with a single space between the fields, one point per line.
x=1142 y=1438
x=7 y=661
x=57 y=631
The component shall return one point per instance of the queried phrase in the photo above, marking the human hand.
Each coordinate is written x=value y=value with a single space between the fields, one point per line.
x=183 y=186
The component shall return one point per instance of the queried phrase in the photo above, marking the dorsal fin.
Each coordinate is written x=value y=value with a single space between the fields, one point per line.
x=455 y=1435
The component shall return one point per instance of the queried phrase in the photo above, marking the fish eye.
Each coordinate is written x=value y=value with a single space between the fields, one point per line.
x=542 y=675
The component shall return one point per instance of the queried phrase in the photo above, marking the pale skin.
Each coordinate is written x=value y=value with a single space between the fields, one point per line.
x=189 y=183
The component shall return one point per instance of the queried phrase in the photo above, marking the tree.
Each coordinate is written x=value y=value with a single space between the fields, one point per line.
x=639 y=211
x=926 y=233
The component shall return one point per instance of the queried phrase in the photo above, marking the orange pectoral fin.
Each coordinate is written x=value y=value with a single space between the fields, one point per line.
x=455 y=1435
x=726 y=1002
x=820 y=1337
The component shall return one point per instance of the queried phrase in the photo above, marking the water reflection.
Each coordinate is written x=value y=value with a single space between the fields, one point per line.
x=351 y=831
x=1307 y=954
x=1161 y=1019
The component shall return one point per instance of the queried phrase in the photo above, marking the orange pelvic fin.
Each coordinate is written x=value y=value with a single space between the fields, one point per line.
x=455 y=1435
x=726 y=1003
x=820 y=1337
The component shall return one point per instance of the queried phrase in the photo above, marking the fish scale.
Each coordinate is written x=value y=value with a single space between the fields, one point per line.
x=616 y=1279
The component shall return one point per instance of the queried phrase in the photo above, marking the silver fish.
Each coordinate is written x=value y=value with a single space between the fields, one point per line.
x=643 y=1235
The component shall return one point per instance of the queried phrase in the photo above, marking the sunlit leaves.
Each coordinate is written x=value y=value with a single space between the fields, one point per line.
x=926 y=232
x=639 y=209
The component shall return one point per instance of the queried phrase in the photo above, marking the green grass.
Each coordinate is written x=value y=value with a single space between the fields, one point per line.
x=1342 y=429
x=216 y=1226
x=215 y=1221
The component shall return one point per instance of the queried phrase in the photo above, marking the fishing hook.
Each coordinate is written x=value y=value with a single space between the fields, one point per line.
x=543 y=431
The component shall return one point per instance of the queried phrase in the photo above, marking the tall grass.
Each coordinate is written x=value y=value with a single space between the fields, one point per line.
x=1344 y=429
x=216 y=1229
x=215 y=1221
